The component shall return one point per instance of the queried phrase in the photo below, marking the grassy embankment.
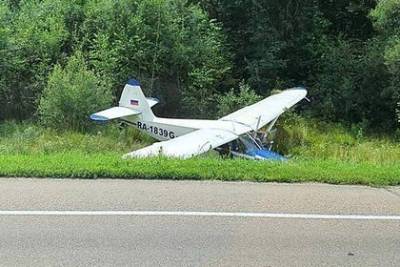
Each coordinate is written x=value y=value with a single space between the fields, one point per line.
x=323 y=153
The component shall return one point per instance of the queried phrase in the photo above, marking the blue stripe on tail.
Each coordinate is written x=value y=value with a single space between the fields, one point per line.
x=133 y=82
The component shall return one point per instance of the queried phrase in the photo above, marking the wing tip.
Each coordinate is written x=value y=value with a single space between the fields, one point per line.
x=300 y=89
x=154 y=99
x=98 y=118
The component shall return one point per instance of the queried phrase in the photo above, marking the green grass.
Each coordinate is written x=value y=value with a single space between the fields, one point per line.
x=30 y=139
x=329 y=154
x=79 y=165
x=311 y=139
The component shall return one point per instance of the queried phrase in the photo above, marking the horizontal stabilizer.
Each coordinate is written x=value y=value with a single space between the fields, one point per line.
x=113 y=113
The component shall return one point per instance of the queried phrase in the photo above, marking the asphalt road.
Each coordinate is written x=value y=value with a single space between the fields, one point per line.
x=227 y=237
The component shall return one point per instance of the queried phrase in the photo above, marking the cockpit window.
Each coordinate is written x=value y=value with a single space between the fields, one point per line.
x=250 y=143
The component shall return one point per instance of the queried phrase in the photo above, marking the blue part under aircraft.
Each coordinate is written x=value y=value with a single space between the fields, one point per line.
x=265 y=154
x=249 y=147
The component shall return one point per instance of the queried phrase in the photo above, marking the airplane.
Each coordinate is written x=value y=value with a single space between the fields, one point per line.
x=236 y=134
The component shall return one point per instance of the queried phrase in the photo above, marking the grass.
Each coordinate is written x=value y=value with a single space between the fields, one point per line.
x=335 y=156
x=79 y=165
x=334 y=142
x=33 y=140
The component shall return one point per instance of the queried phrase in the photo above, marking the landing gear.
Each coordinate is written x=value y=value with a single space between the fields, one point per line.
x=122 y=125
x=224 y=151
x=266 y=138
x=255 y=145
x=231 y=149
x=251 y=146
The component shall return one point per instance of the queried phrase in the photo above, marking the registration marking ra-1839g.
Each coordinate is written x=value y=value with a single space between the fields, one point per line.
x=155 y=130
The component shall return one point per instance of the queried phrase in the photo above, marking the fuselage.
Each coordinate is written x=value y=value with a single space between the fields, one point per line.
x=167 y=128
x=164 y=129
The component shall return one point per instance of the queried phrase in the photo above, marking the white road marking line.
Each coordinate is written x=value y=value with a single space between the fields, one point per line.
x=197 y=213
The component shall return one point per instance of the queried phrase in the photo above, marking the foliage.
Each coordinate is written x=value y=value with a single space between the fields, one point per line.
x=29 y=139
x=66 y=59
x=190 y=52
x=231 y=101
x=71 y=95
x=110 y=165
x=171 y=47
x=296 y=137
x=309 y=139
x=120 y=40
x=319 y=153
x=328 y=46
x=35 y=38
x=386 y=18
x=352 y=85
x=272 y=40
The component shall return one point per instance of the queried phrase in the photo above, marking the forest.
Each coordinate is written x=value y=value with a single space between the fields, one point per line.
x=61 y=60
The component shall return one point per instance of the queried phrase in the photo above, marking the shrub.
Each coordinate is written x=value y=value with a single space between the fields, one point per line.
x=71 y=95
x=231 y=101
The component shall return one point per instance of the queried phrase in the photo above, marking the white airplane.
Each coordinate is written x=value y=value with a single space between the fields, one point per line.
x=234 y=134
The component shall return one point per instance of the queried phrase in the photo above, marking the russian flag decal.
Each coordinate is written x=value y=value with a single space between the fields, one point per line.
x=134 y=102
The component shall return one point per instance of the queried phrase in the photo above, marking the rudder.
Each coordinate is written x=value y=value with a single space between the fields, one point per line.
x=132 y=97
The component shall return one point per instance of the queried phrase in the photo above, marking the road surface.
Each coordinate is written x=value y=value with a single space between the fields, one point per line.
x=64 y=222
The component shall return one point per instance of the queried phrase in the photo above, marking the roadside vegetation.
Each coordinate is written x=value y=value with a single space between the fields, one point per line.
x=323 y=153
x=110 y=165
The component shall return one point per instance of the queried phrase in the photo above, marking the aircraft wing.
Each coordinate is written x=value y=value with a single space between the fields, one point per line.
x=261 y=113
x=186 y=146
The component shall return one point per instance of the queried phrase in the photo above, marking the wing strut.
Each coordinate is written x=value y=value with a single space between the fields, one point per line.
x=257 y=127
x=271 y=125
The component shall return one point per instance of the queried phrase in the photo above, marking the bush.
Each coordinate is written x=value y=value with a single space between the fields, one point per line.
x=71 y=95
x=231 y=101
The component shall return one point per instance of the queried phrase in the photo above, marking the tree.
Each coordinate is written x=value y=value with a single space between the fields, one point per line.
x=327 y=46
x=35 y=38
x=4 y=60
x=386 y=20
x=351 y=85
x=172 y=47
x=273 y=42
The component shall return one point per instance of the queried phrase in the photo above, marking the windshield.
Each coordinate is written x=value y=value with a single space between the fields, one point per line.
x=250 y=142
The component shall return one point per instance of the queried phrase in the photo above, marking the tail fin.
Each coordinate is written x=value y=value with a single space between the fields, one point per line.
x=133 y=98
